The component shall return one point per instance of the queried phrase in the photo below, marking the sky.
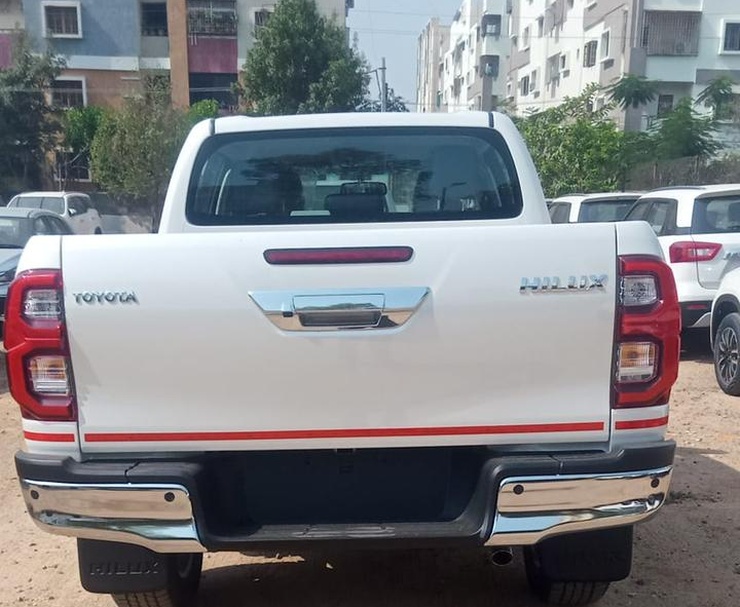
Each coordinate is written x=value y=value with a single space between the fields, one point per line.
x=390 y=29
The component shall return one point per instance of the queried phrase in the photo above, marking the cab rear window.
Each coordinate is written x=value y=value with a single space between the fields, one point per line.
x=353 y=175
x=718 y=215
x=613 y=209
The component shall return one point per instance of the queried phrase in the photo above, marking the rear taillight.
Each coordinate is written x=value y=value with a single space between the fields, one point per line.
x=648 y=340
x=39 y=370
x=687 y=251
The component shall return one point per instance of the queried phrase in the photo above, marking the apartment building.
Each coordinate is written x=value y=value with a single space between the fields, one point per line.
x=431 y=47
x=199 y=44
x=559 y=47
x=11 y=21
x=470 y=73
x=210 y=39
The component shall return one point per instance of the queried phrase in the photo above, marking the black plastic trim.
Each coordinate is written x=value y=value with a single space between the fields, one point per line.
x=472 y=526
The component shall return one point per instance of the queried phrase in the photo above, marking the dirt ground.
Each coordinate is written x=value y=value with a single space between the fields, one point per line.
x=688 y=556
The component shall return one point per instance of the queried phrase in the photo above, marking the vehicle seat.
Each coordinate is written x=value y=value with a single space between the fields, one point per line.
x=453 y=182
x=355 y=206
x=271 y=193
x=733 y=216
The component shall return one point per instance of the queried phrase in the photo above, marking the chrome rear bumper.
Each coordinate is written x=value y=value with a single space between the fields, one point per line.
x=531 y=509
x=526 y=510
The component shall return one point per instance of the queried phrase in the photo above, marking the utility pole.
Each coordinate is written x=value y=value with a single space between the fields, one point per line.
x=383 y=88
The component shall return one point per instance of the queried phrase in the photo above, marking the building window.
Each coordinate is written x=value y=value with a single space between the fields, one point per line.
x=589 y=53
x=66 y=93
x=72 y=167
x=62 y=19
x=605 y=45
x=732 y=38
x=540 y=27
x=490 y=66
x=212 y=17
x=524 y=86
x=261 y=17
x=671 y=33
x=525 y=38
x=665 y=105
x=154 y=19
x=533 y=82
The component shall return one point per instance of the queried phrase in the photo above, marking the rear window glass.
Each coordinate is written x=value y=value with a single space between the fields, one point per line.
x=26 y=202
x=53 y=203
x=613 y=209
x=716 y=215
x=560 y=212
x=353 y=175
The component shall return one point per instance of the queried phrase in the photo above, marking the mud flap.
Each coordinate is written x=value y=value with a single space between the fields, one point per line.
x=591 y=556
x=110 y=568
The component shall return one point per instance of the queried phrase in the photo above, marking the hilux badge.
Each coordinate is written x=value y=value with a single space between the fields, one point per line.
x=556 y=284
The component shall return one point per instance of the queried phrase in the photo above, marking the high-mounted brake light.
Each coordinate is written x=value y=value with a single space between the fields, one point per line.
x=648 y=342
x=338 y=255
x=39 y=369
x=688 y=251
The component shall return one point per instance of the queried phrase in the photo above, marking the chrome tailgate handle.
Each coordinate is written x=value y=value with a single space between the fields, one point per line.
x=335 y=310
x=339 y=311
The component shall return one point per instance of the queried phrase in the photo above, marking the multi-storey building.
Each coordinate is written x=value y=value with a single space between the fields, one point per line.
x=431 y=47
x=471 y=71
x=200 y=44
x=210 y=39
x=559 y=47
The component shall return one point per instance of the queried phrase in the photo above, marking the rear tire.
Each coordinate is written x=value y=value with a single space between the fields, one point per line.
x=560 y=593
x=182 y=585
x=577 y=568
x=98 y=231
x=727 y=354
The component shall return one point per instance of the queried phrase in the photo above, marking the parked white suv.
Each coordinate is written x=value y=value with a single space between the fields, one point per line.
x=75 y=207
x=699 y=230
x=592 y=208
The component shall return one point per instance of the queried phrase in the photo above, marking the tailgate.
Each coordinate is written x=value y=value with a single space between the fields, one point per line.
x=727 y=258
x=187 y=359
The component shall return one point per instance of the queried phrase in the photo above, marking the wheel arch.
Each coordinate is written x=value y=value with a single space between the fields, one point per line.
x=726 y=304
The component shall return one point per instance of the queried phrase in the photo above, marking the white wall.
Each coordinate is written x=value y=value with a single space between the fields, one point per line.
x=568 y=40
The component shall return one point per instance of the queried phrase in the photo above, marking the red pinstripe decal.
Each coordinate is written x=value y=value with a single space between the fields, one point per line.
x=49 y=437
x=124 y=437
x=638 y=424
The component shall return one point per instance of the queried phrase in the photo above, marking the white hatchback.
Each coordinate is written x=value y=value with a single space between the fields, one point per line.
x=75 y=207
x=699 y=230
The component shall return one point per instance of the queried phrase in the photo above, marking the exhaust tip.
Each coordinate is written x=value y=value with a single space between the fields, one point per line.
x=502 y=557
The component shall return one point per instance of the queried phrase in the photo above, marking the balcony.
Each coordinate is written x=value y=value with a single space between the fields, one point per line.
x=212 y=18
x=673 y=5
x=671 y=33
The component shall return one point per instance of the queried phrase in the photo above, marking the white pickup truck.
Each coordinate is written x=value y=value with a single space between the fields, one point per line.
x=411 y=355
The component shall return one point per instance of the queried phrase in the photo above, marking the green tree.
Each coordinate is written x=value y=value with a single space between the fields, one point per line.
x=28 y=124
x=79 y=127
x=395 y=103
x=301 y=63
x=135 y=149
x=574 y=147
x=720 y=97
x=632 y=91
x=202 y=110
x=683 y=132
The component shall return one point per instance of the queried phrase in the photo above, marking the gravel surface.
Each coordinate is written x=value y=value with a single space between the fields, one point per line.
x=688 y=556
